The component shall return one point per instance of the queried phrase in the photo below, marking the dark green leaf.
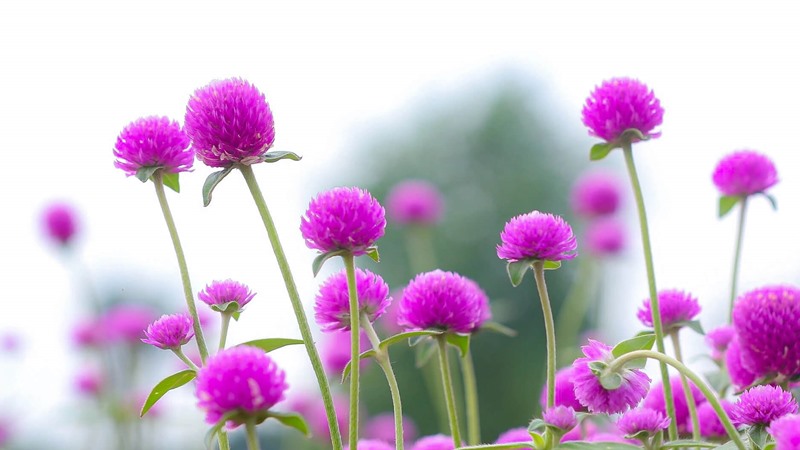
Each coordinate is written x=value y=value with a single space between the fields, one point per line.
x=173 y=381
x=516 y=271
x=641 y=342
x=552 y=265
x=211 y=183
x=271 y=344
x=611 y=381
x=498 y=328
x=319 y=261
x=372 y=252
x=144 y=173
x=292 y=420
x=600 y=151
x=407 y=335
x=460 y=341
x=772 y=200
x=686 y=443
x=171 y=181
x=271 y=157
x=583 y=445
x=346 y=371
x=726 y=204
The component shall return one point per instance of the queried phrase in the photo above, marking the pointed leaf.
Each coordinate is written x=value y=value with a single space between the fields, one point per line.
x=292 y=420
x=144 y=173
x=173 y=381
x=499 y=328
x=171 y=181
x=600 y=151
x=772 y=201
x=271 y=157
x=460 y=341
x=346 y=371
x=516 y=271
x=552 y=265
x=726 y=204
x=641 y=342
x=695 y=325
x=319 y=261
x=536 y=425
x=271 y=344
x=211 y=183
x=407 y=335
x=611 y=381
x=538 y=440
x=372 y=252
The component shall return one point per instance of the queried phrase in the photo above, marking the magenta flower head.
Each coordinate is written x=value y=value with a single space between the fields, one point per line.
x=335 y=350
x=152 y=142
x=766 y=324
x=126 y=322
x=343 y=218
x=676 y=307
x=89 y=381
x=621 y=104
x=441 y=300
x=591 y=393
x=710 y=425
x=332 y=306
x=719 y=339
x=565 y=391
x=435 y=442
x=229 y=122
x=786 y=432
x=169 y=332
x=744 y=173
x=515 y=435
x=414 y=202
x=605 y=237
x=228 y=296
x=372 y=444
x=561 y=417
x=741 y=376
x=240 y=379
x=538 y=236
x=381 y=427
x=59 y=223
x=655 y=400
x=595 y=194
x=761 y=405
x=642 y=420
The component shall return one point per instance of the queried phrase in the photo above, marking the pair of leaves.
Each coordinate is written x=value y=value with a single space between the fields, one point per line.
x=319 y=261
x=727 y=202
x=517 y=269
x=601 y=150
x=291 y=420
x=170 y=180
x=213 y=179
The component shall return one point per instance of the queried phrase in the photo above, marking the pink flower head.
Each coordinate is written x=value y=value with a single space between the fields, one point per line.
x=435 y=442
x=226 y=296
x=229 y=122
x=655 y=400
x=565 y=391
x=642 y=420
x=88 y=333
x=766 y=322
x=675 y=307
x=719 y=339
x=440 y=300
x=332 y=305
x=537 y=235
x=59 y=223
x=153 y=142
x=381 y=427
x=710 y=425
x=786 y=432
x=415 y=202
x=741 y=376
x=89 y=381
x=620 y=104
x=562 y=417
x=372 y=444
x=761 y=405
x=126 y=322
x=744 y=173
x=335 y=350
x=515 y=435
x=313 y=410
x=605 y=237
x=591 y=393
x=343 y=219
x=595 y=194
x=242 y=379
x=169 y=332
x=586 y=431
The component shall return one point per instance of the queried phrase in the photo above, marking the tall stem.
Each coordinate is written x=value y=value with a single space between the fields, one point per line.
x=737 y=256
x=297 y=306
x=252 y=436
x=687 y=390
x=651 y=281
x=355 y=348
x=447 y=385
x=471 y=400
x=223 y=332
x=382 y=356
x=549 y=329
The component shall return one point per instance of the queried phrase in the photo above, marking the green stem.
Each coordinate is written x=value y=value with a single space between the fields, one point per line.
x=687 y=390
x=223 y=332
x=355 y=348
x=573 y=312
x=618 y=363
x=549 y=328
x=179 y=353
x=222 y=438
x=737 y=256
x=297 y=306
x=651 y=281
x=471 y=400
x=252 y=436
x=187 y=284
x=382 y=356
x=447 y=384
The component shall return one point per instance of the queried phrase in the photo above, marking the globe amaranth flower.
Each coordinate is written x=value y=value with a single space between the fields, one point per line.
x=591 y=393
x=766 y=325
x=620 y=104
x=561 y=417
x=741 y=376
x=153 y=142
x=743 y=173
x=435 y=442
x=126 y=323
x=441 y=300
x=719 y=339
x=59 y=223
x=414 y=202
x=343 y=218
x=169 y=332
x=335 y=350
x=710 y=425
x=595 y=194
x=760 y=405
x=675 y=306
x=372 y=444
x=786 y=432
x=564 y=390
x=538 y=236
x=605 y=237
x=226 y=296
x=655 y=400
x=229 y=122
x=89 y=381
x=642 y=420
x=332 y=307
x=239 y=379
x=381 y=427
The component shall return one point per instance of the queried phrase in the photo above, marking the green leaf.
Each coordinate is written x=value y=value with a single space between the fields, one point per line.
x=211 y=183
x=319 y=261
x=226 y=308
x=144 y=173
x=536 y=425
x=758 y=436
x=271 y=344
x=686 y=443
x=583 y=445
x=597 y=367
x=171 y=181
x=407 y=335
x=726 y=204
x=460 y=341
x=271 y=157
x=372 y=252
x=633 y=135
x=292 y=420
x=769 y=446
x=212 y=433
x=719 y=380
x=772 y=201
x=173 y=381
x=694 y=325
x=516 y=271
x=730 y=445
x=346 y=371
x=538 y=440
x=611 y=381
x=641 y=342
x=499 y=328
x=600 y=151
x=552 y=265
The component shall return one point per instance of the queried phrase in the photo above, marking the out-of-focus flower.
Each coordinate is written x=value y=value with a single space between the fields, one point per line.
x=741 y=376
x=710 y=425
x=605 y=237
x=335 y=350
x=60 y=223
x=719 y=339
x=786 y=432
x=381 y=427
x=435 y=442
x=565 y=390
x=655 y=400
x=595 y=194
x=743 y=173
x=414 y=202
x=515 y=435
x=89 y=381
x=126 y=322
x=371 y=444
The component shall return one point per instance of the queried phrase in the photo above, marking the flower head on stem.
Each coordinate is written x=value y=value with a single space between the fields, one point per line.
x=169 y=332
x=591 y=392
x=153 y=142
x=761 y=405
x=677 y=307
x=226 y=296
x=537 y=236
x=743 y=173
x=332 y=305
x=414 y=202
x=440 y=300
x=619 y=105
x=642 y=422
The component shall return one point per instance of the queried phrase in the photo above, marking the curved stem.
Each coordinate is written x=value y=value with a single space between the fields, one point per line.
x=355 y=348
x=737 y=256
x=297 y=306
x=620 y=362
x=182 y=356
x=382 y=356
x=447 y=384
x=549 y=328
x=252 y=436
x=222 y=438
x=687 y=390
x=223 y=331
x=471 y=400
x=573 y=312
x=651 y=281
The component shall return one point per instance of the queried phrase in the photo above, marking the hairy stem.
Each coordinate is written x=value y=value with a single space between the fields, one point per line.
x=737 y=256
x=447 y=385
x=687 y=390
x=382 y=357
x=355 y=348
x=471 y=400
x=549 y=328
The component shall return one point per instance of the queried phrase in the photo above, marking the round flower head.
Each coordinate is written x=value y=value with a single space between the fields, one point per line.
x=655 y=400
x=642 y=420
x=595 y=194
x=435 y=442
x=761 y=405
x=226 y=296
x=621 y=104
x=333 y=301
x=414 y=202
x=719 y=339
x=59 y=223
x=89 y=381
x=229 y=122
x=169 y=332
x=126 y=322
x=710 y=425
x=562 y=417
x=335 y=350
x=565 y=391
x=242 y=379
x=344 y=218
x=766 y=322
x=786 y=432
x=515 y=435
x=381 y=427
x=591 y=393
x=675 y=307
x=537 y=235
x=153 y=142
x=441 y=300
x=605 y=237
x=744 y=173
x=372 y=444
x=741 y=376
